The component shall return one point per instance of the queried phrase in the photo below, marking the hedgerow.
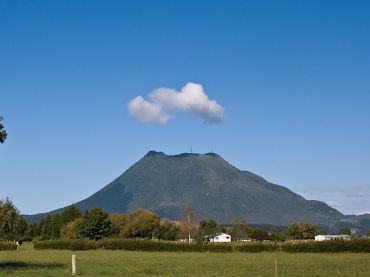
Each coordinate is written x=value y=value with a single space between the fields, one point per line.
x=256 y=247
x=158 y=246
x=330 y=246
x=354 y=245
x=6 y=245
x=65 y=244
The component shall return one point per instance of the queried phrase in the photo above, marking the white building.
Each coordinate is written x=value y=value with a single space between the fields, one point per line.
x=221 y=237
x=331 y=237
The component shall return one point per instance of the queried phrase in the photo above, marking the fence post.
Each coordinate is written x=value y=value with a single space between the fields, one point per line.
x=276 y=268
x=73 y=264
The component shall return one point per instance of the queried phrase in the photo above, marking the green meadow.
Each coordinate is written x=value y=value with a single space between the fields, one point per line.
x=29 y=262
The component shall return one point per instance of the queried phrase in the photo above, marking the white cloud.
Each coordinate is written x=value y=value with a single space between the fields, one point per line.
x=146 y=111
x=163 y=102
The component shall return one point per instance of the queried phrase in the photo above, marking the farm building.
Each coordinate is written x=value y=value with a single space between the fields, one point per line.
x=221 y=237
x=331 y=237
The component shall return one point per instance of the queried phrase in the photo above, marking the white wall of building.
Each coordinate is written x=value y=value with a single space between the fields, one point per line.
x=221 y=238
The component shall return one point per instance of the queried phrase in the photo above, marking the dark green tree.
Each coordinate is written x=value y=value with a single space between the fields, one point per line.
x=258 y=234
x=275 y=235
x=50 y=226
x=21 y=234
x=10 y=220
x=167 y=230
x=301 y=230
x=208 y=227
x=95 y=225
x=239 y=230
x=3 y=133
x=32 y=231
x=345 y=231
x=70 y=213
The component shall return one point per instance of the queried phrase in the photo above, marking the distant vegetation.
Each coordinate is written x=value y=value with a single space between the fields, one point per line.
x=3 y=133
x=96 y=224
x=333 y=246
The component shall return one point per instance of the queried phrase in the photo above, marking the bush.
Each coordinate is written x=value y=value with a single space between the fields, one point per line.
x=257 y=247
x=6 y=245
x=355 y=245
x=65 y=244
x=331 y=246
x=158 y=246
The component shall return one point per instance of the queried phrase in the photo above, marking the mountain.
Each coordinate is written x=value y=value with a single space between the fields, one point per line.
x=213 y=187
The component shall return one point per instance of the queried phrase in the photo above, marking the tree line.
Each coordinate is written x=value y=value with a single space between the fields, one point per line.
x=95 y=224
x=3 y=133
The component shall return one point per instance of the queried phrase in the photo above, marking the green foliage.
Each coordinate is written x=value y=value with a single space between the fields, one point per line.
x=275 y=235
x=158 y=246
x=50 y=227
x=140 y=224
x=65 y=244
x=11 y=224
x=345 y=231
x=208 y=227
x=143 y=224
x=6 y=245
x=166 y=230
x=257 y=247
x=69 y=230
x=3 y=134
x=301 y=230
x=94 y=225
x=32 y=231
x=131 y=245
x=333 y=246
x=70 y=213
x=258 y=234
x=238 y=230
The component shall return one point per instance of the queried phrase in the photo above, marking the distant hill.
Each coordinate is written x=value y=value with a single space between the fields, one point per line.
x=213 y=187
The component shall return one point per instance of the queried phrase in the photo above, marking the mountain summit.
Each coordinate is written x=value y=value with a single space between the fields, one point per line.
x=214 y=188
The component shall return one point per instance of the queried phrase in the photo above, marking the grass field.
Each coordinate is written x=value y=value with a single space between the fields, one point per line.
x=29 y=262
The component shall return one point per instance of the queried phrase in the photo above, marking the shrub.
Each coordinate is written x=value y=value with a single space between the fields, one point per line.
x=6 y=245
x=65 y=244
x=158 y=246
x=257 y=247
x=331 y=246
x=355 y=245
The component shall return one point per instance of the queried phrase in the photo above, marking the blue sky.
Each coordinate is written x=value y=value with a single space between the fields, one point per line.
x=291 y=76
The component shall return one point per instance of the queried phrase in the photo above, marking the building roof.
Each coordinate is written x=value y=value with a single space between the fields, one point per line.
x=334 y=236
x=216 y=235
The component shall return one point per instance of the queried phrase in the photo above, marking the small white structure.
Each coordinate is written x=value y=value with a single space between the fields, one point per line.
x=221 y=237
x=331 y=237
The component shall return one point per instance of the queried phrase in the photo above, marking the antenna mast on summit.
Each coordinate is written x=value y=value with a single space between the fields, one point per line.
x=191 y=149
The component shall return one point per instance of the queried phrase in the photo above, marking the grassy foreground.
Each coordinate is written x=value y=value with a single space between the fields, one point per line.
x=29 y=262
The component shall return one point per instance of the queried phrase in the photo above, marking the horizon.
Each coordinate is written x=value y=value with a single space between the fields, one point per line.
x=280 y=89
